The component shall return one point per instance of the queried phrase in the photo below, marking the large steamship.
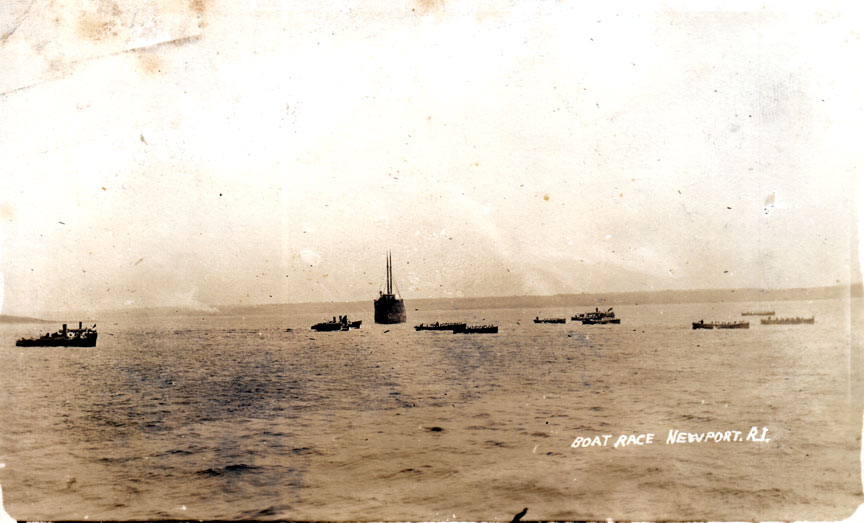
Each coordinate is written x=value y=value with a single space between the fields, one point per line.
x=389 y=308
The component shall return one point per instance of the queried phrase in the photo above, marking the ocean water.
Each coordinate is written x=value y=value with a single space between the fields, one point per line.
x=217 y=417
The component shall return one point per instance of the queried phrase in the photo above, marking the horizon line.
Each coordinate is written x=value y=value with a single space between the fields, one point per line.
x=219 y=307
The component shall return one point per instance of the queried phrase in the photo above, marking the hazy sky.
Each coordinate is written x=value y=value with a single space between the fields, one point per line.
x=276 y=150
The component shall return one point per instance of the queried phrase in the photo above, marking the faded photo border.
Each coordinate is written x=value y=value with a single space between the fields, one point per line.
x=150 y=148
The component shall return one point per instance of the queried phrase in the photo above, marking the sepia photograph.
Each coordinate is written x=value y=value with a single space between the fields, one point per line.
x=430 y=260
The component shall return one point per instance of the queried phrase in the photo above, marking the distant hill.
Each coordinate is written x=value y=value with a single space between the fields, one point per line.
x=20 y=319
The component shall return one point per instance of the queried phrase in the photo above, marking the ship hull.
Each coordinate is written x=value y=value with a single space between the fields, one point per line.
x=389 y=310
x=439 y=327
x=603 y=321
x=330 y=326
x=738 y=325
x=86 y=342
x=788 y=321
x=477 y=329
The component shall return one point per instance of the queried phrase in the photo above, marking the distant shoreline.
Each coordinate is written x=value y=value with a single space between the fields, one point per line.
x=22 y=319
x=651 y=297
x=504 y=302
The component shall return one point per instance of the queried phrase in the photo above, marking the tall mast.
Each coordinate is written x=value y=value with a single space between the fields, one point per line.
x=389 y=274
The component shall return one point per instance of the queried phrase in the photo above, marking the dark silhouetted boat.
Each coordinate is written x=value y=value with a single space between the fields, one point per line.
x=439 y=326
x=788 y=321
x=538 y=319
x=477 y=329
x=601 y=321
x=342 y=324
x=388 y=307
x=721 y=325
x=329 y=326
x=597 y=317
x=80 y=337
x=758 y=313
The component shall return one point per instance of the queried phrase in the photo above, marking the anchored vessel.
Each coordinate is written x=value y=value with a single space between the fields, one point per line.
x=439 y=326
x=788 y=321
x=477 y=329
x=80 y=337
x=342 y=324
x=538 y=319
x=602 y=321
x=388 y=307
x=721 y=325
x=597 y=317
x=758 y=313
